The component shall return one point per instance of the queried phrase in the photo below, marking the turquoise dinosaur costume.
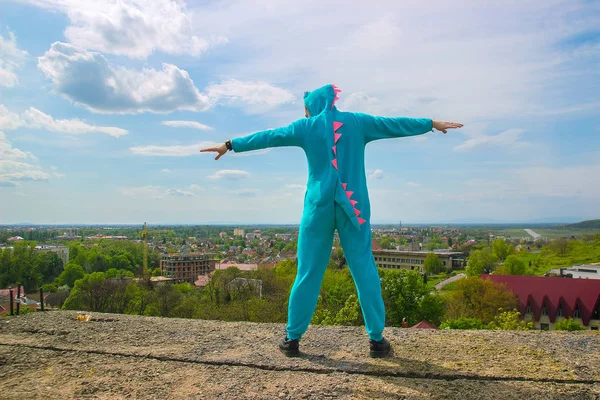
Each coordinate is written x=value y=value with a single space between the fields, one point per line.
x=336 y=198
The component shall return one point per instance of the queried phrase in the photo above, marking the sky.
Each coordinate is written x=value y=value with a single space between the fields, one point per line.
x=104 y=106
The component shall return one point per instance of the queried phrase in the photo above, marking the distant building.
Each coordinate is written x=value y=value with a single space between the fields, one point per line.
x=254 y=285
x=185 y=267
x=222 y=235
x=239 y=232
x=14 y=238
x=581 y=271
x=250 y=236
x=61 y=251
x=544 y=300
x=415 y=260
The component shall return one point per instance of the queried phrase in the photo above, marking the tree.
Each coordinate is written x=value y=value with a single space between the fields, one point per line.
x=406 y=296
x=478 y=298
x=386 y=244
x=433 y=264
x=512 y=266
x=501 y=250
x=568 y=325
x=71 y=274
x=480 y=261
x=462 y=323
x=510 y=321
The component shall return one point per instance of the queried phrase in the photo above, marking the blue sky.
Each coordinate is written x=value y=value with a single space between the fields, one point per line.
x=104 y=106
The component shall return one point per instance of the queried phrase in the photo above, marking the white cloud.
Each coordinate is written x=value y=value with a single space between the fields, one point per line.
x=231 y=174
x=194 y=186
x=509 y=138
x=165 y=171
x=187 y=124
x=377 y=174
x=178 y=192
x=154 y=192
x=19 y=165
x=295 y=186
x=35 y=119
x=143 y=191
x=11 y=170
x=171 y=151
x=254 y=96
x=134 y=28
x=88 y=79
x=411 y=64
x=11 y=58
x=245 y=192
x=413 y=184
x=7 y=152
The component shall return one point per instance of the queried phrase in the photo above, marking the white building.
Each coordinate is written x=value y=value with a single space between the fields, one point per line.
x=582 y=271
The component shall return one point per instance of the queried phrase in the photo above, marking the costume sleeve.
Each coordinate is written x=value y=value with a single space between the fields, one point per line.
x=375 y=128
x=291 y=135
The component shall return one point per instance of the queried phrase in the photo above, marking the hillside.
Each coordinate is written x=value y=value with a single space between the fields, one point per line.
x=53 y=355
x=590 y=224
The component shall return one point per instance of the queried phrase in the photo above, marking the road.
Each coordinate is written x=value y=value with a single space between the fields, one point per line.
x=534 y=235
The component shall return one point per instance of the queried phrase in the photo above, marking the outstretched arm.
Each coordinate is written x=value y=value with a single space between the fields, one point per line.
x=291 y=135
x=375 y=128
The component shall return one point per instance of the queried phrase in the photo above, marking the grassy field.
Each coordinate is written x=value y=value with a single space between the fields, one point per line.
x=550 y=233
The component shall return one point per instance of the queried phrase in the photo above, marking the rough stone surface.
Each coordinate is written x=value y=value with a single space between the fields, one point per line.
x=53 y=355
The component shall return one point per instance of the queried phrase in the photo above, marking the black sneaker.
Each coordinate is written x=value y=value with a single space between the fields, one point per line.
x=379 y=349
x=289 y=347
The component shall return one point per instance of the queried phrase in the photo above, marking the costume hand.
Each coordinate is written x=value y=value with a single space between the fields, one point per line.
x=443 y=126
x=221 y=149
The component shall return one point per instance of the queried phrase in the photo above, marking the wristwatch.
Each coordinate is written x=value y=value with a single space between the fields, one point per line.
x=228 y=145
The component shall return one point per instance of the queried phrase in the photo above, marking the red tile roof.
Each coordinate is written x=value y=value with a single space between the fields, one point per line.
x=539 y=291
x=425 y=325
x=375 y=245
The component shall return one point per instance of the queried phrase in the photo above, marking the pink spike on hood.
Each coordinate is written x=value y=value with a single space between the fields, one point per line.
x=334 y=151
x=337 y=125
x=357 y=212
x=353 y=202
x=334 y=162
x=361 y=221
x=344 y=185
x=337 y=136
x=349 y=194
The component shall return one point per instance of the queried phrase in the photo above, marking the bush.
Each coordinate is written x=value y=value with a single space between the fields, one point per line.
x=510 y=321
x=568 y=325
x=463 y=323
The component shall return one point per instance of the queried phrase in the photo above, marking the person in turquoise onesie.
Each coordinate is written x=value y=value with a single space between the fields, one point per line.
x=336 y=198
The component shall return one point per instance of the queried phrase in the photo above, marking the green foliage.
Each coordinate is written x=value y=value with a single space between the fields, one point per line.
x=480 y=261
x=406 y=296
x=433 y=264
x=50 y=288
x=512 y=266
x=510 y=321
x=71 y=274
x=463 y=323
x=501 y=249
x=477 y=298
x=156 y=272
x=387 y=243
x=568 y=324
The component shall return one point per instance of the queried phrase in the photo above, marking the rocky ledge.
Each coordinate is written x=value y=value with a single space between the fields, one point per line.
x=55 y=355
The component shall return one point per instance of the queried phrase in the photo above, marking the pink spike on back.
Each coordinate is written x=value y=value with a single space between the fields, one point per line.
x=344 y=185
x=361 y=221
x=337 y=125
x=334 y=162
x=357 y=212
x=349 y=194
x=337 y=136
x=336 y=91
x=353 y=202
x=334 y=151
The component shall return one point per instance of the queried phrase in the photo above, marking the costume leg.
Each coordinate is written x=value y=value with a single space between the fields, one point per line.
x=314 y=250
x=356 y=243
